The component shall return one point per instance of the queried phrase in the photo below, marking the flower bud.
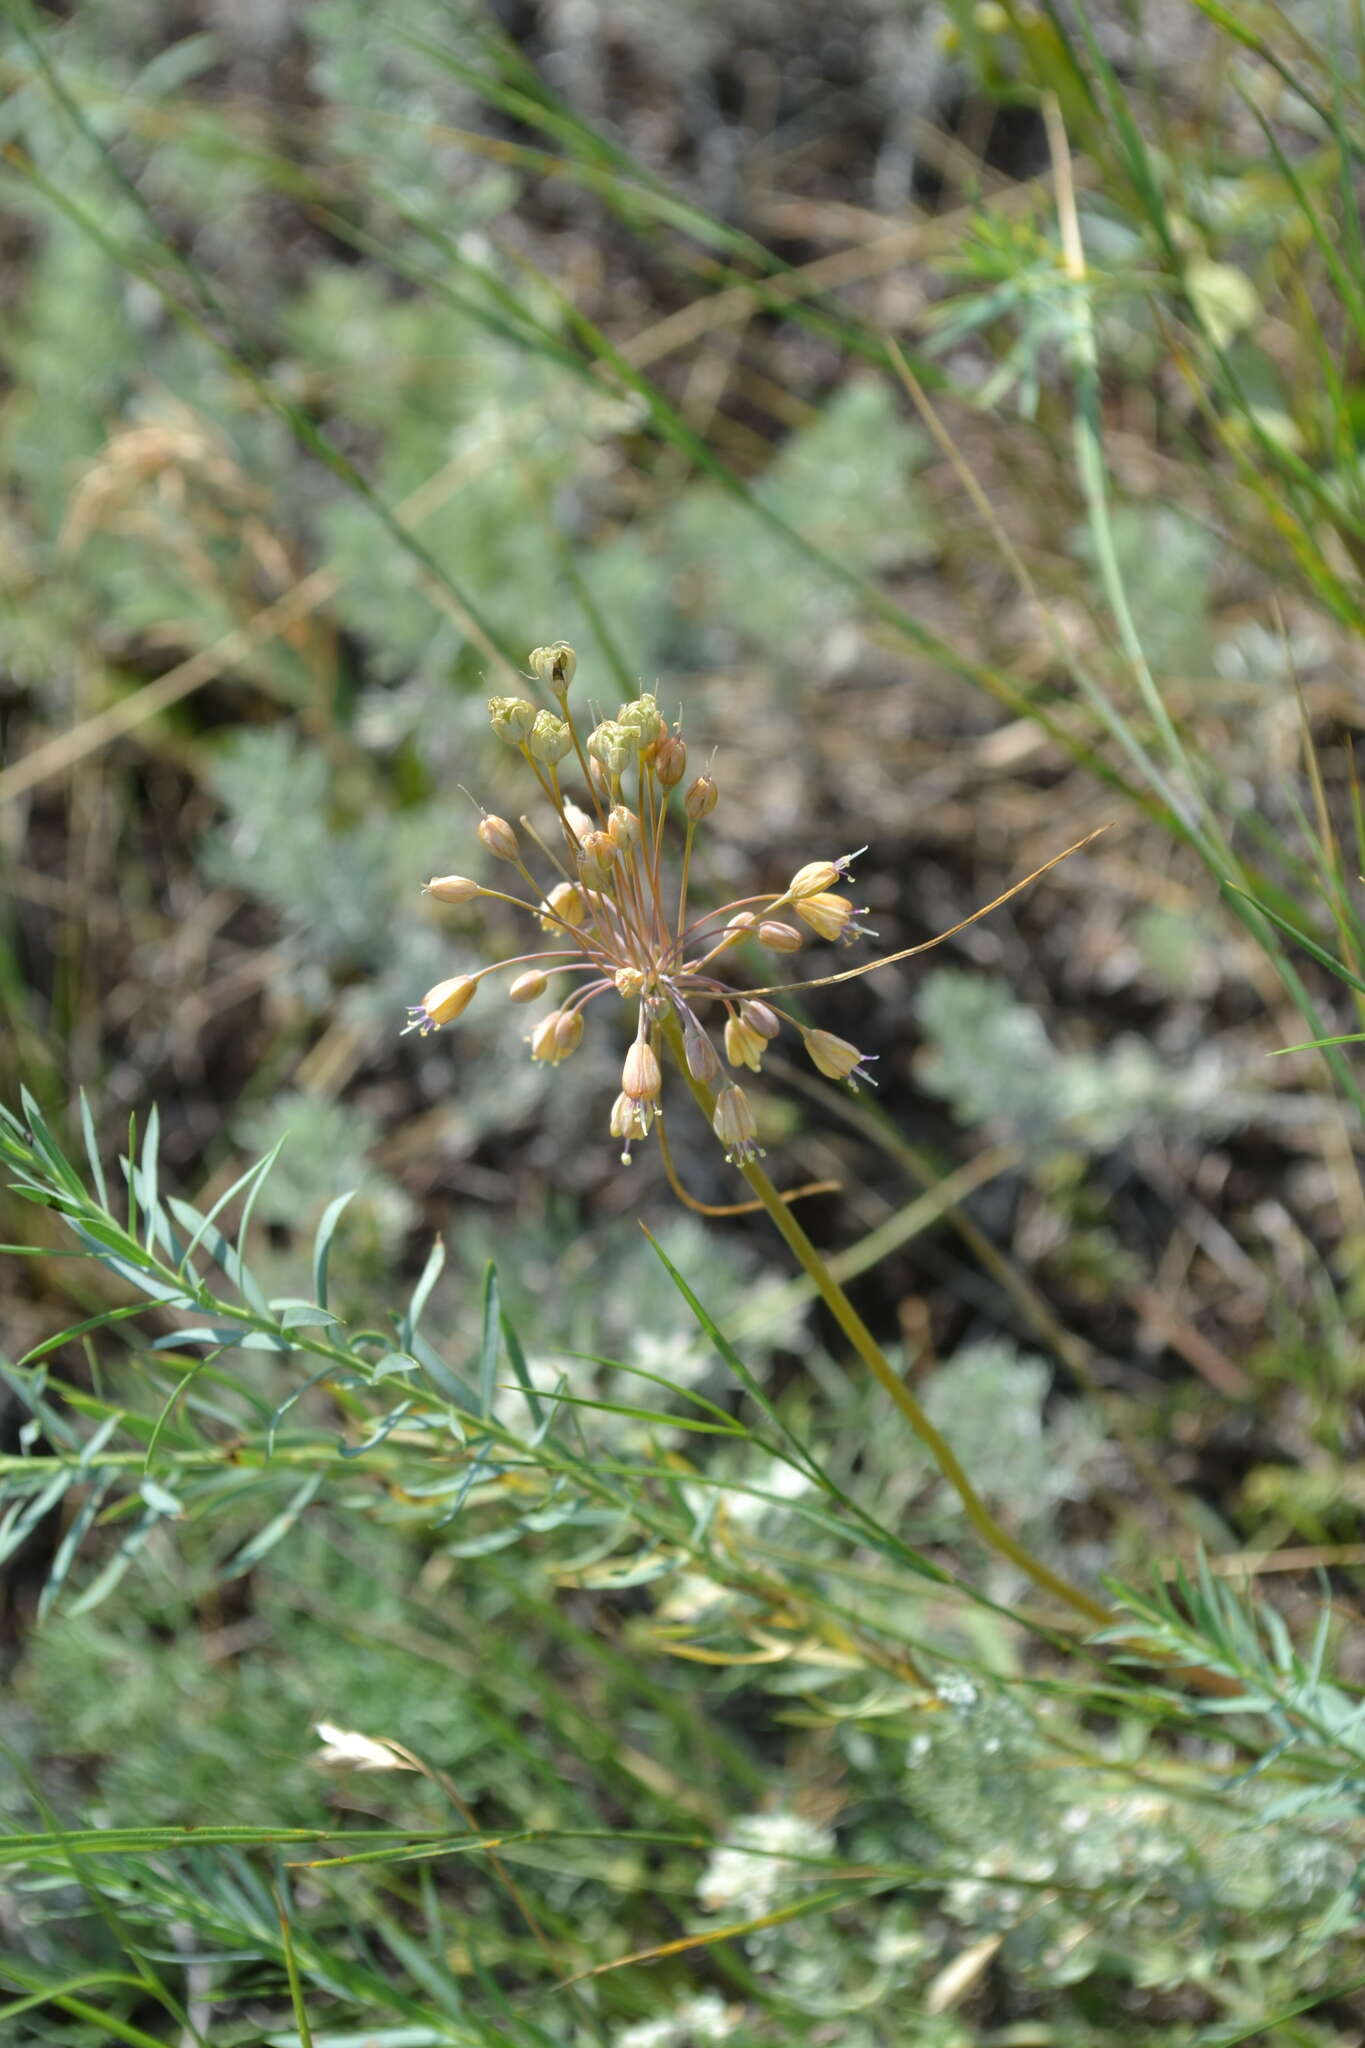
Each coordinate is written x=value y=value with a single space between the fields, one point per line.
x=733 y=1123
x=701 y=799
x=815 y=876
x=744 y=1047
x=442 y=1004
x=578 y=822
x=499 y=838
x=642 y=716
x=451 y=889
x=568 y=1033
x=641 y=1079
x=595 y=858
x=703 y=1061
x=549 y=739
x=629 y=982
x=564 y=905
x=742 y=921
x=670 y=760
x=556 y=1036
x=554 y=666
x=827 y=915
x=614 y=745
x=623 y=825
x=511 y=718
x=779 y=937
x=528 y=987
x=760 y=1017
x=836 y=1058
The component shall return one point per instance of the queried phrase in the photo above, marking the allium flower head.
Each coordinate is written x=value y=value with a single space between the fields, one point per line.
x=621 y=923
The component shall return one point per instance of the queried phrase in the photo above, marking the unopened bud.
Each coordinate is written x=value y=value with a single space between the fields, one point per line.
x=779 y=937
x=451 y=888
x=549 y=739
x=528 y=987
x=623 y=825
x=760 y=1017
x=511 y=718
x=614 y=745
x=742 y=921
x=556 y=1036
x=595 y=858
x=578 y=822
x=701 y=799
x=642 y=716
x=499 y=838
x=641 y=1079
x=670 y=760
x=554 y=666
x=563 y=906
x=629 y=982
x=812 y=878
x=703 y=1061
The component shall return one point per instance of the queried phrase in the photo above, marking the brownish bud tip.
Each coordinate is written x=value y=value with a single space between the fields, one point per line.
x=499 y=838
x=701 y=799
x=451 y=888
x=670 y=760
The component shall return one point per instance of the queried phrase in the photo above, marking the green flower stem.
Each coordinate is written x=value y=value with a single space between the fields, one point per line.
x=874 y=1358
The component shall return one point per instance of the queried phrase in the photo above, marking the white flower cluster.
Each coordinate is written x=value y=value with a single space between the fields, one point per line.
x=701 y=2020
x=753 y=1869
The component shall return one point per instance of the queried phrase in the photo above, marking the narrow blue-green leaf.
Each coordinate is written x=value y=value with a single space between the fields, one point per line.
x=327 y=1372
x=151 y=1162
x=60 y=1166
x=1316 y=1044
x=275 y=1530
x=301 y=1315
x=798 y=1455
x=110 y=1573
x=448 y=1382
x=226 y=1335
x=392 y=1363
x=21 y=1520
x=112 y=1315
x=382 y=1428
x=101 y=1234
x=161 y=1498
x=137 y=1276
x=239 y=1271
x=92 y=1151
x=204 y=1228
x=1300 y=938
x=421 y=1293
x=488 y=1349
x=322 y=1243
x=71 y=1542
x=517 y=1359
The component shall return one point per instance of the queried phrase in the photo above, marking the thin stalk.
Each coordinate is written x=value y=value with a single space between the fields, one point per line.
x=686 y=877
x=874 y=1358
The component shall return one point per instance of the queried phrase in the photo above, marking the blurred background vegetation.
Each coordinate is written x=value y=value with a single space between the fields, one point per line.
x=957 y=410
